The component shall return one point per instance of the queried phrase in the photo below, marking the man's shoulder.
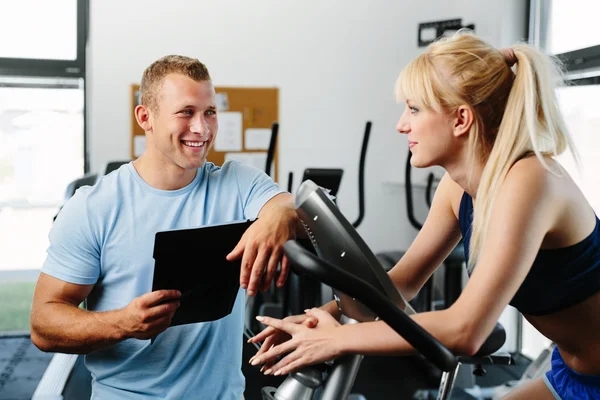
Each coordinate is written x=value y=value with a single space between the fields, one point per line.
x=227 y=167
x=105 y=192
x=230 y=171
x=233 y=168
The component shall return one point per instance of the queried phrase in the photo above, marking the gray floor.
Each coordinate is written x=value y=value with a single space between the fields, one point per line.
x=21 y=367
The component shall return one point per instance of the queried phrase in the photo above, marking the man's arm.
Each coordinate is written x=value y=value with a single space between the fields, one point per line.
x=58 y=325
x=262 y=244
x=283 y=206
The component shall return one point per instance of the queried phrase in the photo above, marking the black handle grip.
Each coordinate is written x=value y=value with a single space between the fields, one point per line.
x=305 y=262
x=272 y=146
x=361 y=175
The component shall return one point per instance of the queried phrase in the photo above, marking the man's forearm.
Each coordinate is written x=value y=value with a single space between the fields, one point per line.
x=283 y=205
x=64 y=328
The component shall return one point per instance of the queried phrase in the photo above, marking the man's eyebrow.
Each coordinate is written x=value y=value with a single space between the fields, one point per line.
x=211 y=107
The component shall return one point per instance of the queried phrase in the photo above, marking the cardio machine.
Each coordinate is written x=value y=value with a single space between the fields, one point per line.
x=364 y=292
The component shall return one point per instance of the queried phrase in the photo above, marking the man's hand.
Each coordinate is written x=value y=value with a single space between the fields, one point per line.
x=262 y=245
x=150 y=314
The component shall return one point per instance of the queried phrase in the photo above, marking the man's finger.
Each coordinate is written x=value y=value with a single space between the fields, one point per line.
x=238 y=250
x=162 y=310
x=258 y=268
x=285 y=269
x=246 y=267
x=159 y=296
x=271 y=270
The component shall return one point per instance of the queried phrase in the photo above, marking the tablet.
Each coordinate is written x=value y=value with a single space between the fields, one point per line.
x=193 y=262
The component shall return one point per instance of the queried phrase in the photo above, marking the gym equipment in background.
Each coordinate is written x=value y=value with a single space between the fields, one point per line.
x=429 y=297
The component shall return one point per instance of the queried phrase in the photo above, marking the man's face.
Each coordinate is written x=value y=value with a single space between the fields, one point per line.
x=184 y=124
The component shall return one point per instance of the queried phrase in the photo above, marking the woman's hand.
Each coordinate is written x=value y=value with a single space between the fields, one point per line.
x=307 y=346
x=273 y=336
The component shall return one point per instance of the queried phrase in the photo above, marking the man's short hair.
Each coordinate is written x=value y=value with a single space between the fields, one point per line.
x=154 y=75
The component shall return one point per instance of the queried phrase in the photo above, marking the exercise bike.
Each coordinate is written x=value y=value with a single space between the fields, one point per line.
x=364 y=292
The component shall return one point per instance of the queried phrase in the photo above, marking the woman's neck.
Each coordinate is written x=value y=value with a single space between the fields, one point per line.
x=466 y=174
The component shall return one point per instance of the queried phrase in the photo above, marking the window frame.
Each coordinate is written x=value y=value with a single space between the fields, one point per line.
x=38 y=67
x=43 y=68
x=582 y=66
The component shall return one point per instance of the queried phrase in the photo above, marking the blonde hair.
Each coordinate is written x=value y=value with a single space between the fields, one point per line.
x=516 y=114
x=154 y=75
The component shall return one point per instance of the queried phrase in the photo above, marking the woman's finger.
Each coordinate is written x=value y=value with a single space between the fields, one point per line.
x=275 y=352
x=291 y=367
x=285 y=326
x=262 y=335
x=310 y=321
x=266 y=346
x=285 y=361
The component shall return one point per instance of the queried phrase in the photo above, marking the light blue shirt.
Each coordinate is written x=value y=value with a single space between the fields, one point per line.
x=105 y=236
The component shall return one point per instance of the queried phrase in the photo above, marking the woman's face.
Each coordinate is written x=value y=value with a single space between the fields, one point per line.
x=430 y=135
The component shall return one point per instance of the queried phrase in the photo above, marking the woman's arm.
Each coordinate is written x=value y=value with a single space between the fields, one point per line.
x=524 y=212
x=437 y=238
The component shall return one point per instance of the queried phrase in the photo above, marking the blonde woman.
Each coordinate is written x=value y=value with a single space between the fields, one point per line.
x=491 y=120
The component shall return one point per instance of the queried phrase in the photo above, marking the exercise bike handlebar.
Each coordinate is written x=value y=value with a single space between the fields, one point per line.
x=304 y=262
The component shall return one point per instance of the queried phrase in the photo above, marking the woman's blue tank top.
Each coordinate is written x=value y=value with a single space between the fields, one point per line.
x=558 y=279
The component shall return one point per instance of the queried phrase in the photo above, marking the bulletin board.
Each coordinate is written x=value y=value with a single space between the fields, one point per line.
x=245 y=119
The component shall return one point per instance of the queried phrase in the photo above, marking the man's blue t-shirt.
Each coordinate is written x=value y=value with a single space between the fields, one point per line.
x=105 y=236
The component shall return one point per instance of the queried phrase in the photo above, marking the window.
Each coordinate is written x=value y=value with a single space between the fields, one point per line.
x=581 y=108
x=568 y=30
x=47 y=38
x=573 y=25
x=42 y=137
x=56 y=19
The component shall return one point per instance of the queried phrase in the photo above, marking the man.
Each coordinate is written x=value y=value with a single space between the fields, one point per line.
x=102 y=242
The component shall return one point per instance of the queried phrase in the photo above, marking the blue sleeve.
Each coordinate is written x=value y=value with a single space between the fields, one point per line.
x=74 y=252
x=256 y=188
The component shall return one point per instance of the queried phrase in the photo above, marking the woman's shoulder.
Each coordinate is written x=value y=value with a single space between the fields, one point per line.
x=451 y=192
x=534 y=175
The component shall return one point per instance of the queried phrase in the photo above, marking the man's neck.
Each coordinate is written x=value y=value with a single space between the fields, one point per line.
x=162 y=175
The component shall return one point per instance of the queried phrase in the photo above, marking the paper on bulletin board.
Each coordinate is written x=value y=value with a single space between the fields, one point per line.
x=222 y=101
x=257 y=159
x=257 y=139
x=229 y=137
x=139 y=145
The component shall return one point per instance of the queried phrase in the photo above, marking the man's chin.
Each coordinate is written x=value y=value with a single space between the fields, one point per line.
x=195 y=164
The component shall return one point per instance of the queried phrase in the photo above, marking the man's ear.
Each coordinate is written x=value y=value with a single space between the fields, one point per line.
x=142 y=115
x=463 y=120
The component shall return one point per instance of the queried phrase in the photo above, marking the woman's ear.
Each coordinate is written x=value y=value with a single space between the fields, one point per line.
x=464 y=117
x=142 y=115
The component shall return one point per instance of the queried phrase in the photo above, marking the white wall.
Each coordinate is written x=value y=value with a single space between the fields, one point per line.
x=334 y=61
